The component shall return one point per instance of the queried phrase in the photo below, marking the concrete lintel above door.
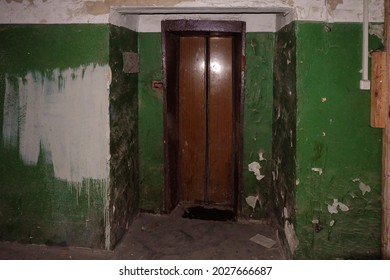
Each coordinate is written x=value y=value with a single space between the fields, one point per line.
x=148 y=19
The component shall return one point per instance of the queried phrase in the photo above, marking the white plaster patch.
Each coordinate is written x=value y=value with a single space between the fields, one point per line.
x=333 y=209
x=252 y=201
x=66 y=115
x=376 y=30
x=291 y=237
x=255 y=168
x=261 y=156
x=318 y=170
x=364 y=188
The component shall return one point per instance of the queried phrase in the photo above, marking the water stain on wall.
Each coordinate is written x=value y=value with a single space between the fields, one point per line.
x=332 y=4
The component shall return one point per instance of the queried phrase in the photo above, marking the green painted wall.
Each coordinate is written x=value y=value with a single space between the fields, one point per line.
x=36 y=207
x=257 y=126
x=334 y=134
x=258 y=106
x=151 y=127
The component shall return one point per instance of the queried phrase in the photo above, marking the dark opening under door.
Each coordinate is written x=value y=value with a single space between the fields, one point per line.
x=203 y=115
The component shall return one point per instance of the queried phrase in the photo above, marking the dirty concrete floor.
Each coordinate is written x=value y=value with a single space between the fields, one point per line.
x=154 y=237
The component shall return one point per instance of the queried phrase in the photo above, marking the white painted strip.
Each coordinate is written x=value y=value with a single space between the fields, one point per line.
x=254 y=22
x=65 y=113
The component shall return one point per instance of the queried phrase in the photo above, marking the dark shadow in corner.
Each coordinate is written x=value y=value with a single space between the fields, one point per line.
x=202 y=213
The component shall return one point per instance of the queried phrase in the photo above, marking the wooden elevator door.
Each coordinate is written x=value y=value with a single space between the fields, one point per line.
x=205 y=159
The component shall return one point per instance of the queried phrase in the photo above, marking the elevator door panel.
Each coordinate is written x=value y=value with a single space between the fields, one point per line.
x=205 y=120
x=192 y=119
x=220 y=121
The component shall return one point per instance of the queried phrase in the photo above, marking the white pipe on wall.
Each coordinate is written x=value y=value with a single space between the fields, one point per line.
x=364 y=82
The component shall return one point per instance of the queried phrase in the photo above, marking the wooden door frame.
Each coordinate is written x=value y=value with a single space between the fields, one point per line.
x=170 y=31
x=386 y=148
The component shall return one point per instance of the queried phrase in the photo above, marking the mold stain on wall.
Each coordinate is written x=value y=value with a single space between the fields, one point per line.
x=282 y=198
x=123 y=195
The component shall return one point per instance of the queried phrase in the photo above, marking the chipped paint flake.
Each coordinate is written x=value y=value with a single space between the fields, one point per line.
x=255 y=168
x=376 y=30
x=343 y=207
x=252 y=201
x=333 y=209
x=364 y=188
x=317 y=169
x=261 y=156
x=323 y=99
x=331 y=223
x=291 y=237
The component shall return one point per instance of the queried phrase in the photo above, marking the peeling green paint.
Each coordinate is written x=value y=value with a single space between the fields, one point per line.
x=334 y=134
x=258 y=118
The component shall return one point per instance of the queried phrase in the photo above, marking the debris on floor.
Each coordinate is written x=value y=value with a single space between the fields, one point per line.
x=263 y=241
x=163 y=237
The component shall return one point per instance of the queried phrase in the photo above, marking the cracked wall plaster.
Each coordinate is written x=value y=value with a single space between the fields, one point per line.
x=79 y=11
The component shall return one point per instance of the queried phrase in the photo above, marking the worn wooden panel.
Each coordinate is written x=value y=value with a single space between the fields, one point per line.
x=379 y=90
x=192 y=119
x=220 y=121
